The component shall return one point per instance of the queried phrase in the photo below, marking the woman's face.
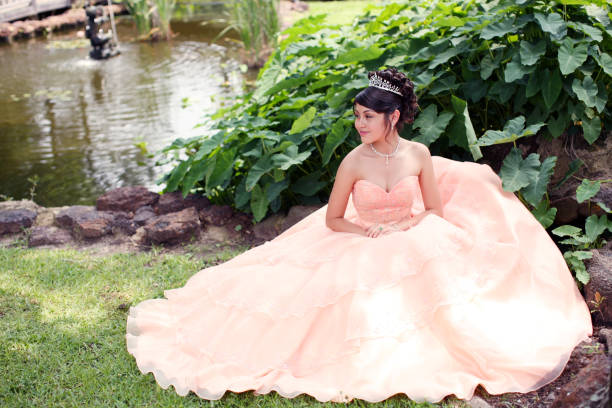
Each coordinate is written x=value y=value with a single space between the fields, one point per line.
x=369 y=124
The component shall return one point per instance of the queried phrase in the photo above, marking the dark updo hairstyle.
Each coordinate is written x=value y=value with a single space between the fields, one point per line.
x=382 y=101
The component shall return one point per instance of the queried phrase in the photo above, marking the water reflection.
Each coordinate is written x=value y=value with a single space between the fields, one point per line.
x=74 y=122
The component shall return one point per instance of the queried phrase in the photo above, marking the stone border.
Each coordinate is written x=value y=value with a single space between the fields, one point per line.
x=137 y=219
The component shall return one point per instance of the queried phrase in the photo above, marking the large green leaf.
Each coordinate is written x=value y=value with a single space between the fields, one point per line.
x=198 y=171
x=537 y=188
x=273 y=190
x=605 y=62
x=586 y=90
x=261 y=167
x=575 y=262
x=544 y=214
x=594 y=226
x=208 y=145
x=557 y=125
x=445 y=56
x=515 y=70
x=553 y=24
x=567 y=231
x=431 y=124
x=224 y=164
x=598 y=14
x=591 y=129
x=551 y=87
x=309 y=184
x=531 y=53
x=358 y=54
x=335 y=138
x=498 y=29
x=177 y=174
x=517 y=173
x=488 y=65
x=464 y=129
x=304 y=121
x=289 y=157
x=259 y=203
x=587 y=190
x=534 y=84
x=514 y=129
x=593 y=32
x=571 y=55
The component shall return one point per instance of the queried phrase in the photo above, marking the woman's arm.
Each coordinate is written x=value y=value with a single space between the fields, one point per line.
x=338 y=200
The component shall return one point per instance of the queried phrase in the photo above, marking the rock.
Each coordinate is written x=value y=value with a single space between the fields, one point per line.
x=605 y=336
x=590 y=388
x=127 y=199
x=144 y=214
x=46 y=216
x=140 y=236
x=123 y=221
x=297 y=213
x=174 y=227
x=477 y=402
x=216 y=214
x=85 y=222
x=20 y=205
x=48 y=236
x=269 y=228
x=173 y=202
x=14 y=221
x=600 y=271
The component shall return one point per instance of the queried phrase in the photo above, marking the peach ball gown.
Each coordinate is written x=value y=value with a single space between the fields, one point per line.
x=481 y=296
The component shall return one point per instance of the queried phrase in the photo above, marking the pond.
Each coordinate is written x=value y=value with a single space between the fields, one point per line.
x=74 y=128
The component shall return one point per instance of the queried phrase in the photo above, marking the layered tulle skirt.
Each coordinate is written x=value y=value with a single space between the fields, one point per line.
x=481 y=296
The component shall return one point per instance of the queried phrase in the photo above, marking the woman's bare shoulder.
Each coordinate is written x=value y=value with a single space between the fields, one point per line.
x=351 y=160
x=418 y=150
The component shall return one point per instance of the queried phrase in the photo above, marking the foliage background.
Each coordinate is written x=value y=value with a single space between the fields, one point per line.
x=486 y=73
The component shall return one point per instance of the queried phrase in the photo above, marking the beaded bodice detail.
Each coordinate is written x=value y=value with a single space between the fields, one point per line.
x=374 y=204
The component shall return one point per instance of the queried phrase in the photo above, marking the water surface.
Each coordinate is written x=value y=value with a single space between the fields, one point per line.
x=81 y=126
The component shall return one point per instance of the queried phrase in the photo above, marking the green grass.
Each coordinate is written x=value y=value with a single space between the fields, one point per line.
x=62 y=331
x=338 y=12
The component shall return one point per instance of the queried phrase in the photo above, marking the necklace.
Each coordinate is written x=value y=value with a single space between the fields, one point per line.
x=386 y=156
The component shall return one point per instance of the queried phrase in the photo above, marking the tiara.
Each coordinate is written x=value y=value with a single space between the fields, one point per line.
x=378 y=82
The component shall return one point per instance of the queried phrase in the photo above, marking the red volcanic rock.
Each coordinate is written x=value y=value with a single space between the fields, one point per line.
x=85 y=222
x=590 y=388
x=216 y=214
x=600 y=271
x=126 y=199
x=173 y=202
x=12 y=221
x=173 y=228
x=48 y=236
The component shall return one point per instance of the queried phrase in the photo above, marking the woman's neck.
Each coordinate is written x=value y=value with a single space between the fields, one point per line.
x=385 y=147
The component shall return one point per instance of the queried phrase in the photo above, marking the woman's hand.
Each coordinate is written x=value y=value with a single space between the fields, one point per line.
x=376 y=230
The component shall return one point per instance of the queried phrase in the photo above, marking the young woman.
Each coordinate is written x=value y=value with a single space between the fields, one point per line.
x=421 y=276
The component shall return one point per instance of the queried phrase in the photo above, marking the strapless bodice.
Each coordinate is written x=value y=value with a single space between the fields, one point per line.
x=374 y=204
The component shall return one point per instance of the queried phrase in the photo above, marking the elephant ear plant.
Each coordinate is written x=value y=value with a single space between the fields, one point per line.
x=486 y=73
